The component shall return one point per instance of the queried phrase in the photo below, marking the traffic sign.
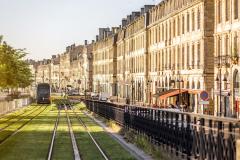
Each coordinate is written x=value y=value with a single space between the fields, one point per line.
x=204 y=96
x=203 y=102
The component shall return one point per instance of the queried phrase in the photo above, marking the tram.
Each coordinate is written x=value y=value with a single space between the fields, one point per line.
x=43 y=93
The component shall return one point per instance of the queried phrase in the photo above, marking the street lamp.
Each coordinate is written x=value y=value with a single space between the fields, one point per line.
x=139 y=91
x=117 y=90
x=180 y=94
x=149 y=90
x=220 y=61
x=132 y=81
x=219 y=81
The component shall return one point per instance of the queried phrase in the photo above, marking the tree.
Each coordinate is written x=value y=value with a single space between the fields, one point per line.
x=14 y=71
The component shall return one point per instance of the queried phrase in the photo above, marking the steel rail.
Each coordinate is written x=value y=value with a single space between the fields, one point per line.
x=50 y=151
x=73 y=139
x=14 y=116
x=1 y=129
x=93 y=139
x=18 y=129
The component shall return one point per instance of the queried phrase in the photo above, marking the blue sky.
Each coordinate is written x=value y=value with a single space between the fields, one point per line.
x=46 y=27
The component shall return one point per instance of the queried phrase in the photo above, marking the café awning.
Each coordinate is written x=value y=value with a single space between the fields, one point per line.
x=171 y=93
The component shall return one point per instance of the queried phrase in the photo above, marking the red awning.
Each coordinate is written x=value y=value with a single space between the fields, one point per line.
x=172 y=93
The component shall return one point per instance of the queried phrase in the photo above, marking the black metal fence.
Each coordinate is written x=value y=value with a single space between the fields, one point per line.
x=189 y=135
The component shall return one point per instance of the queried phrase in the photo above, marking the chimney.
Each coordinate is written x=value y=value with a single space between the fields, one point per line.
x=68 y=48
x=85 y=42
x=129 y=19
x=72 y=46
x=124 y=22
x=142 y=11
x=135 y=15
x=97 y=37
x=148 y=7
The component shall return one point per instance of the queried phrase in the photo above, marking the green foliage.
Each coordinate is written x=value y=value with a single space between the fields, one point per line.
x=14 y=71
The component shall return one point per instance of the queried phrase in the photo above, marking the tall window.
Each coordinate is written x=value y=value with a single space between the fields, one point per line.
x=174 y=28
x=183 y=55
x=188 y=23
x=226 y=45
x=183 y=24
x=178 y=28
x=227 y=5
x=193 y=53
x=188 y=54
x=235 y=9
x=219 y=11
x=199 y=19
x=198 y=53
x=193 y=21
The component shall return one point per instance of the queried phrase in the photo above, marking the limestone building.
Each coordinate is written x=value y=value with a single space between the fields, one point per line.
x=181 y=51
x=227 y=29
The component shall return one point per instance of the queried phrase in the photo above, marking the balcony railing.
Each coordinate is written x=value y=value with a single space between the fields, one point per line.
x=223 y=60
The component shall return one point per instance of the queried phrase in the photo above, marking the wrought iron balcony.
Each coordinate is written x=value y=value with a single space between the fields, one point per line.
x=224 y=60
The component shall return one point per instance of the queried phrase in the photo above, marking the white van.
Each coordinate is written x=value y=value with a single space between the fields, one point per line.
x=104 y=96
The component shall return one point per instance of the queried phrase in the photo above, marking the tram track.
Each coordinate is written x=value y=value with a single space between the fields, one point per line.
x=100 y=149
x=19 y=119
x=50 y=150
x=3 y=140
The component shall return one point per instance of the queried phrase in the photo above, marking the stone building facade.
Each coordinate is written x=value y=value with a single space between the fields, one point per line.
x=181 y=52
x=161 y=55
x=227 y=32
x=67 y=70
x=104 y=63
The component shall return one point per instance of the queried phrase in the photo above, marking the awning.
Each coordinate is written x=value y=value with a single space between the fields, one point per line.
x=190 y=91
x=171 y=93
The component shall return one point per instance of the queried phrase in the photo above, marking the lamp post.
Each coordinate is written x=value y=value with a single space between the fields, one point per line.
x=149 y=90
x=180 y=94
x=139 y=90
x=219 y=81
x=219 y=60
x=117 y=90
x=132 y=81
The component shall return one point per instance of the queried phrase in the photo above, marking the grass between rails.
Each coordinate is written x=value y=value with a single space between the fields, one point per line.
x=87 y=148
x=14 y=115
x=141 y=141
x=112 y=148
x=63 y=146
x=17 y=119
x=32 y=141
x=6 y=132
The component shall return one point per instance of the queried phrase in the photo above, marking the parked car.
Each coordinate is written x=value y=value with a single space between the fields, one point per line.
x=104 y=96
x=73 y=93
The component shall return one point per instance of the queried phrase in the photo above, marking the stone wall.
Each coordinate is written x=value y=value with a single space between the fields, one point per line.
x=9 y=106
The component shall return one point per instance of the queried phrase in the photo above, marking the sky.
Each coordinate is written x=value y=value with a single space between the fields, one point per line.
x=47 y=27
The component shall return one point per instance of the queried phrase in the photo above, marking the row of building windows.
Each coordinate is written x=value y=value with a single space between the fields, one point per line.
x=135 y=64
x=176 y=26
x=135 y=43
x=186 y=56
x=223 y=45
x=165 y=8
x=103 y=68
x=223 y=8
